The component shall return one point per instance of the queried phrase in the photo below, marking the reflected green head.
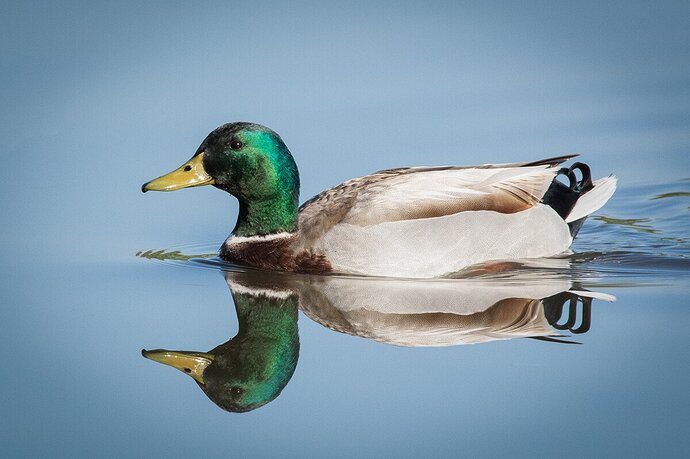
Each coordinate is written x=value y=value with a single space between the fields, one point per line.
x=253 y=368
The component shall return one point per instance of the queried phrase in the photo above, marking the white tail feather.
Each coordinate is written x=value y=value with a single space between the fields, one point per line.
x=594 y=199
x=595 y=295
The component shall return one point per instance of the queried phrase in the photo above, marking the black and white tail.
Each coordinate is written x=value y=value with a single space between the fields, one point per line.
x=581 y=197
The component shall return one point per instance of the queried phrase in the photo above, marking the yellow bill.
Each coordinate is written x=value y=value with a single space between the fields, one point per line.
x=191 y=363
x=191 y=173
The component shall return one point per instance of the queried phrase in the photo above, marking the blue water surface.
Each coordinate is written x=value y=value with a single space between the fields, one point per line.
x=99 y=97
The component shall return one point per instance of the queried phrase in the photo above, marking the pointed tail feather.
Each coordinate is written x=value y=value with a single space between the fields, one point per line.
x=555 y=161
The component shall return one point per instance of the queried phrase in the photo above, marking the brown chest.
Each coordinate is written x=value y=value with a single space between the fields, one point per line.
x=275 y=255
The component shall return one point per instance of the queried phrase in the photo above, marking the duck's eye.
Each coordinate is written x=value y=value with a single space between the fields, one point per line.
x=235 y=390
x=236 y=145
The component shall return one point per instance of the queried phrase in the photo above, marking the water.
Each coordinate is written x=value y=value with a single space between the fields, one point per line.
x=584 y=354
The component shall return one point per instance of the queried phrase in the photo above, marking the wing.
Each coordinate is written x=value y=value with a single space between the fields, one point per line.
x=424 y=192
x=437 y=193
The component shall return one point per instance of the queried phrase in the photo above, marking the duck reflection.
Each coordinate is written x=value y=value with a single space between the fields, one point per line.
x=252 y=368
x=447 y=312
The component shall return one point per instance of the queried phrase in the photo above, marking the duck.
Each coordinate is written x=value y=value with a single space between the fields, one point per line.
x=411 y=222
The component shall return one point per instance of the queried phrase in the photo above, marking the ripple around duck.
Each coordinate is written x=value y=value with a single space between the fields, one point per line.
x=641 y=237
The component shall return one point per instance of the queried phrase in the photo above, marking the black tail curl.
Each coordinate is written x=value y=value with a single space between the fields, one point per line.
x=585 y=183
x=562 y=197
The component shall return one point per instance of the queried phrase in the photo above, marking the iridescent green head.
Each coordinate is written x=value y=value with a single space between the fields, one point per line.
x=252 y=163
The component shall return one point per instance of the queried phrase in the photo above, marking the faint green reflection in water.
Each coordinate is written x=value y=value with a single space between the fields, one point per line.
x=175 y=255
x=674 y=194
x=252 y=368
x=632 y=223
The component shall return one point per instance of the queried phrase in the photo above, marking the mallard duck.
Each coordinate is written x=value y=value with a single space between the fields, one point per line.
x=406 y=222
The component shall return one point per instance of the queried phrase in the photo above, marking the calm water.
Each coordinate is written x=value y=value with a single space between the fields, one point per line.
x=567 y=356
x=584 y=354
